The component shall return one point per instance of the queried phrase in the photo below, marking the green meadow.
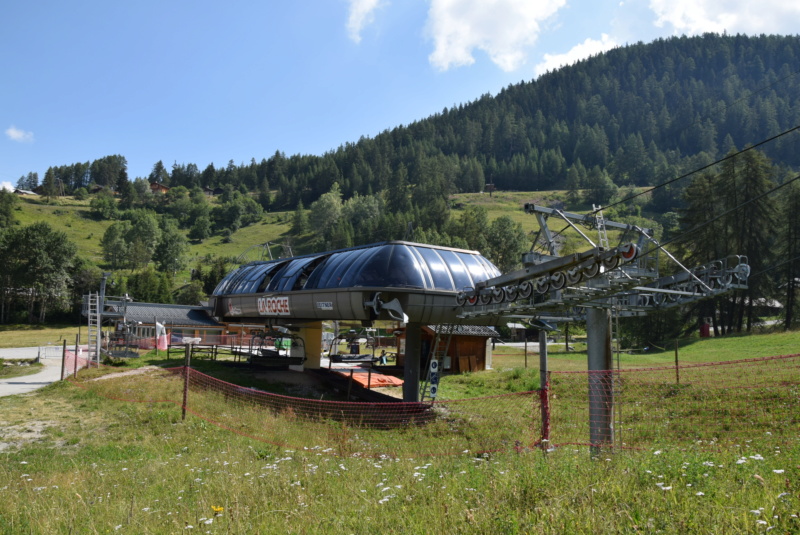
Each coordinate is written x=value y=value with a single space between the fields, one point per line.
x=78 y=458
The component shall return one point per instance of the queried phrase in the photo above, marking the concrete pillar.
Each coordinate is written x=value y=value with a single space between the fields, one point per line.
x=412 y=362
x=311 y=334
x=601 y=393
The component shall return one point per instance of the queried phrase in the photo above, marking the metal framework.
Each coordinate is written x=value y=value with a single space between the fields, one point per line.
x=624 y=276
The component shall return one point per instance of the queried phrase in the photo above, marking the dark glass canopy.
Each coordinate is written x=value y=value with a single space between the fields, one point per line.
x=380 y=265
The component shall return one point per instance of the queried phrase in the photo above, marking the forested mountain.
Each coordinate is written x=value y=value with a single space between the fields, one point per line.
x=639 y=115
x=638 y=112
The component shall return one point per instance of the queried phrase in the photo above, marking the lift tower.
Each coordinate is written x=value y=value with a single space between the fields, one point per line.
x=587 y=286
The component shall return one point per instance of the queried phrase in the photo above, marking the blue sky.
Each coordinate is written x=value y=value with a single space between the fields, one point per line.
x=207 y=82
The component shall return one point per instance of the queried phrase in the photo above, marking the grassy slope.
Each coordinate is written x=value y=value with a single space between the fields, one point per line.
x=70 y=217
x=73 y=217
x=76 y=462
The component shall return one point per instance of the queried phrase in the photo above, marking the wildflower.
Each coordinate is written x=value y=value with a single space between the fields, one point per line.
x=755 y=512
x=779 y=471
x=699 y=493
x=217 y=508
x=666 y=488
x=657 y=452
x=762 y=522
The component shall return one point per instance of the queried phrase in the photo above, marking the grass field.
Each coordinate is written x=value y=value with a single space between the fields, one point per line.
x=78 y=462
x=28 y=335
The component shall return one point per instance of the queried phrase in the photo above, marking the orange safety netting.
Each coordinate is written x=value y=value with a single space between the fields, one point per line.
x=703 y=404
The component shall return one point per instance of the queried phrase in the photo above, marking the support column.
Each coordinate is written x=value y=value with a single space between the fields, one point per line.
x=601 y=393
x=412 y=364
x=542 y=358
x=544 y=394
x=312 y=342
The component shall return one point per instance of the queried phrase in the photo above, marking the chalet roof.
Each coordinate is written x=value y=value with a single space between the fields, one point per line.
x=178 y=315
x=466 y=330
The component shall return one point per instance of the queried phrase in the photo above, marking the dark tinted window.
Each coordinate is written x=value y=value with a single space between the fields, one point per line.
x=398 y=265
x=439 y=271
x=458 y=270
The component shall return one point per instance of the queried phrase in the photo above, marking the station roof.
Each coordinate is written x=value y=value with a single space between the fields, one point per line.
x=395 y=264
x=149 y=313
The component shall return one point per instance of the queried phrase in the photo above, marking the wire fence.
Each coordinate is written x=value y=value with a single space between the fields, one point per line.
x=702 y=404
x=74 y=361
x=712 y=403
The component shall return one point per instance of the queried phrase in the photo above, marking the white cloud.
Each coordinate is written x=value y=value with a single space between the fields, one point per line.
x=362 y=14
x=6 y=186
x=504 y=29
x=15 y=134
x=694 y=17
x=589 y=47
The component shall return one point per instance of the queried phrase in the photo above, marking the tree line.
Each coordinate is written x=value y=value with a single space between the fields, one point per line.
x=633 y=117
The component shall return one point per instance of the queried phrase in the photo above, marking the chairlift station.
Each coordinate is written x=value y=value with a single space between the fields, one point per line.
x=418 y=284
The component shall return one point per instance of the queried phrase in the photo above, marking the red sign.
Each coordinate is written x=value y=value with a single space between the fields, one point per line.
x=273 y=306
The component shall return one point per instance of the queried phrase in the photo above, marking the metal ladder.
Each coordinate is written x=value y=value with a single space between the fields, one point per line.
x=439 y=349
x=601 y=227
x=93 y=336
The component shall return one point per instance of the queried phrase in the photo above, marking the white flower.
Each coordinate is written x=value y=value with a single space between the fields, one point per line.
x=657 y=452
x=755 y=511
x=699 y=493
x=779 y=471
x=666 y=488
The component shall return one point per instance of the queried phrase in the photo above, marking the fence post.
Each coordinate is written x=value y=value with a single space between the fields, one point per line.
x=677 y=369
x=63 y=359
x=526 y=352
x=75 y=366
x=544 y=402
x=544 y=387
x=350 y=384
x=187 y=360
